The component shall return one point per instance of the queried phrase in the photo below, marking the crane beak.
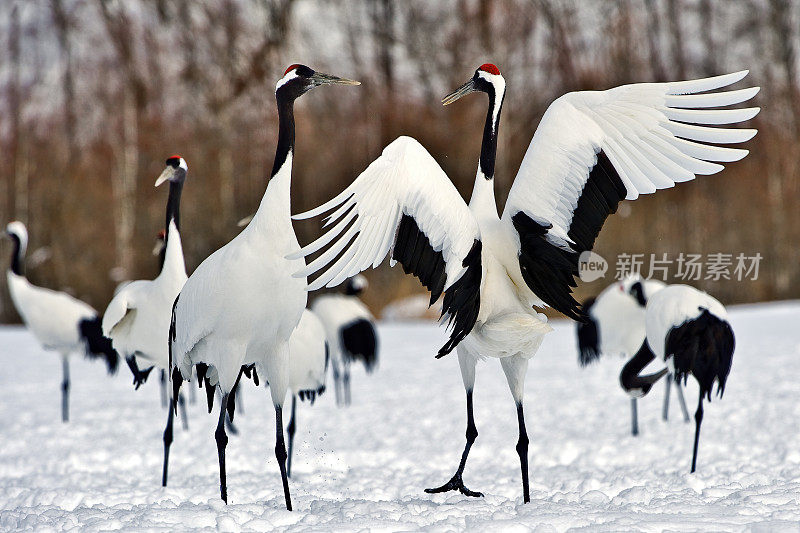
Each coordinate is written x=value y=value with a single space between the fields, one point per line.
x=166 y=175
x=326 y=79
x=464 y=90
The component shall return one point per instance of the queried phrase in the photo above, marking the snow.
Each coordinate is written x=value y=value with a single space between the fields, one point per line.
x=364 y=467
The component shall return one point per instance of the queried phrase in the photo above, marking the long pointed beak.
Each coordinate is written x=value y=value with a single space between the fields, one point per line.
x=325 y=79
x=166 y=174
x=464 y=90
x=650 y=379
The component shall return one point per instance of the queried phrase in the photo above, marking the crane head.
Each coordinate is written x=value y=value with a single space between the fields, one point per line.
x=175 y=170
x=487 y=79
x=17 y=231
x=299 y=79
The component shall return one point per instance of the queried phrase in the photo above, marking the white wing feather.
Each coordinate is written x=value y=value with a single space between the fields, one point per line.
x=405 y=179
x=649 y=132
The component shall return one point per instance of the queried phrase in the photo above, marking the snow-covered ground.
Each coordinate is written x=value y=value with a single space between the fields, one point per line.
x=366 y=466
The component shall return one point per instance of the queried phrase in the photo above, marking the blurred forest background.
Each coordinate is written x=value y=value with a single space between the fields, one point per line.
x=95 y=94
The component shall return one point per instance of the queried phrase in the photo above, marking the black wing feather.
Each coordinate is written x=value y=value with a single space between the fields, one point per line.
x=549 y=269
x=461 y=304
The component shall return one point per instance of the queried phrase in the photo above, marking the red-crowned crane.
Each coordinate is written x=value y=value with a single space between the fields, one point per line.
x=689 y=330
x=137 y=318
x=591 y=150
x=241 y=305
x=615 y=326
x=350 y=328
x=58 y=321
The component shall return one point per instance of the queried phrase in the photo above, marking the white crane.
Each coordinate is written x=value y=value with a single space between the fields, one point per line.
x=241 y=304
x=138 y=317
x=58 y=321
x=350 y=329
x=308 y=363
x=689 y=330
x=591 y=150
x=615 y=326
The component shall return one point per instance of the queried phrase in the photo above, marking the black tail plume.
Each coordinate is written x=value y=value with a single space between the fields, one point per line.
x=360 y=343
x=97 y=344
x=704 y=348
x=588 y=336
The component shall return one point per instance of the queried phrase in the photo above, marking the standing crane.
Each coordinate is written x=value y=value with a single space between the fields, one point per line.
x=689 y=330
x=58 y=321
x=350 y=328
x=137 y=318
x=591 y=150
x=615 y=326
x=240 y=306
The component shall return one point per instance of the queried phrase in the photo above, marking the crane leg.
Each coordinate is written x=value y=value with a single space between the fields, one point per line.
x=222 y=442
x=65 y=389
x=290 y=429
x=280 y=454
x=665 y=407
x=634 y=417
x=682 y=402
x=193 y=394
x=456 y=482
x=182 y=405
x=337 y=384
x=162 y=378
x=522 y=451
x=698 y=418
x=346 y=385
x=239 y=401
x=167 y=444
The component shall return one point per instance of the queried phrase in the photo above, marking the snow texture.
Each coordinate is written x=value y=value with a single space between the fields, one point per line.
x=364 y=467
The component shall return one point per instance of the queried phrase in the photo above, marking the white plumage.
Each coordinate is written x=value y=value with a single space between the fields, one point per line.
x=591 y=150
x=689 y=330
x=242 y=304
x=308 y=363
x=672 y=309
x=137 y=318
x=308 y=356
x=58 y=321
x=619 y=316
x=350 y=330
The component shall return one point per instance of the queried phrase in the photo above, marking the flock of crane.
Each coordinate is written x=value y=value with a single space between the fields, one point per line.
x=243 y=311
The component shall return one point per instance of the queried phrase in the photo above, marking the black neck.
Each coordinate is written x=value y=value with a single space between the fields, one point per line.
x=285 y=131
x=489 y=144
x=173 y=214
x=629 y=377
x=17 y=264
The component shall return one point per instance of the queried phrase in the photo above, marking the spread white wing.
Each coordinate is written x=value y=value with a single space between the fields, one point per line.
x=404 y=202
x=594 y=148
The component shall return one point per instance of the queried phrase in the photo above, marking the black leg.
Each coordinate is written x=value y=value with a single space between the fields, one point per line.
x=167 y=443
x=163 y=380
x=337 y=383
x=634 y=417
x=698 y=418
x=665 y=408
x=222 y=441
x=182 y=405
x=65 y=389
x=290 y=429
x=522 y=451
x=456 y=482
x=682 y=401
x=346 y=386
x=280 y=454
x=232 y=429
